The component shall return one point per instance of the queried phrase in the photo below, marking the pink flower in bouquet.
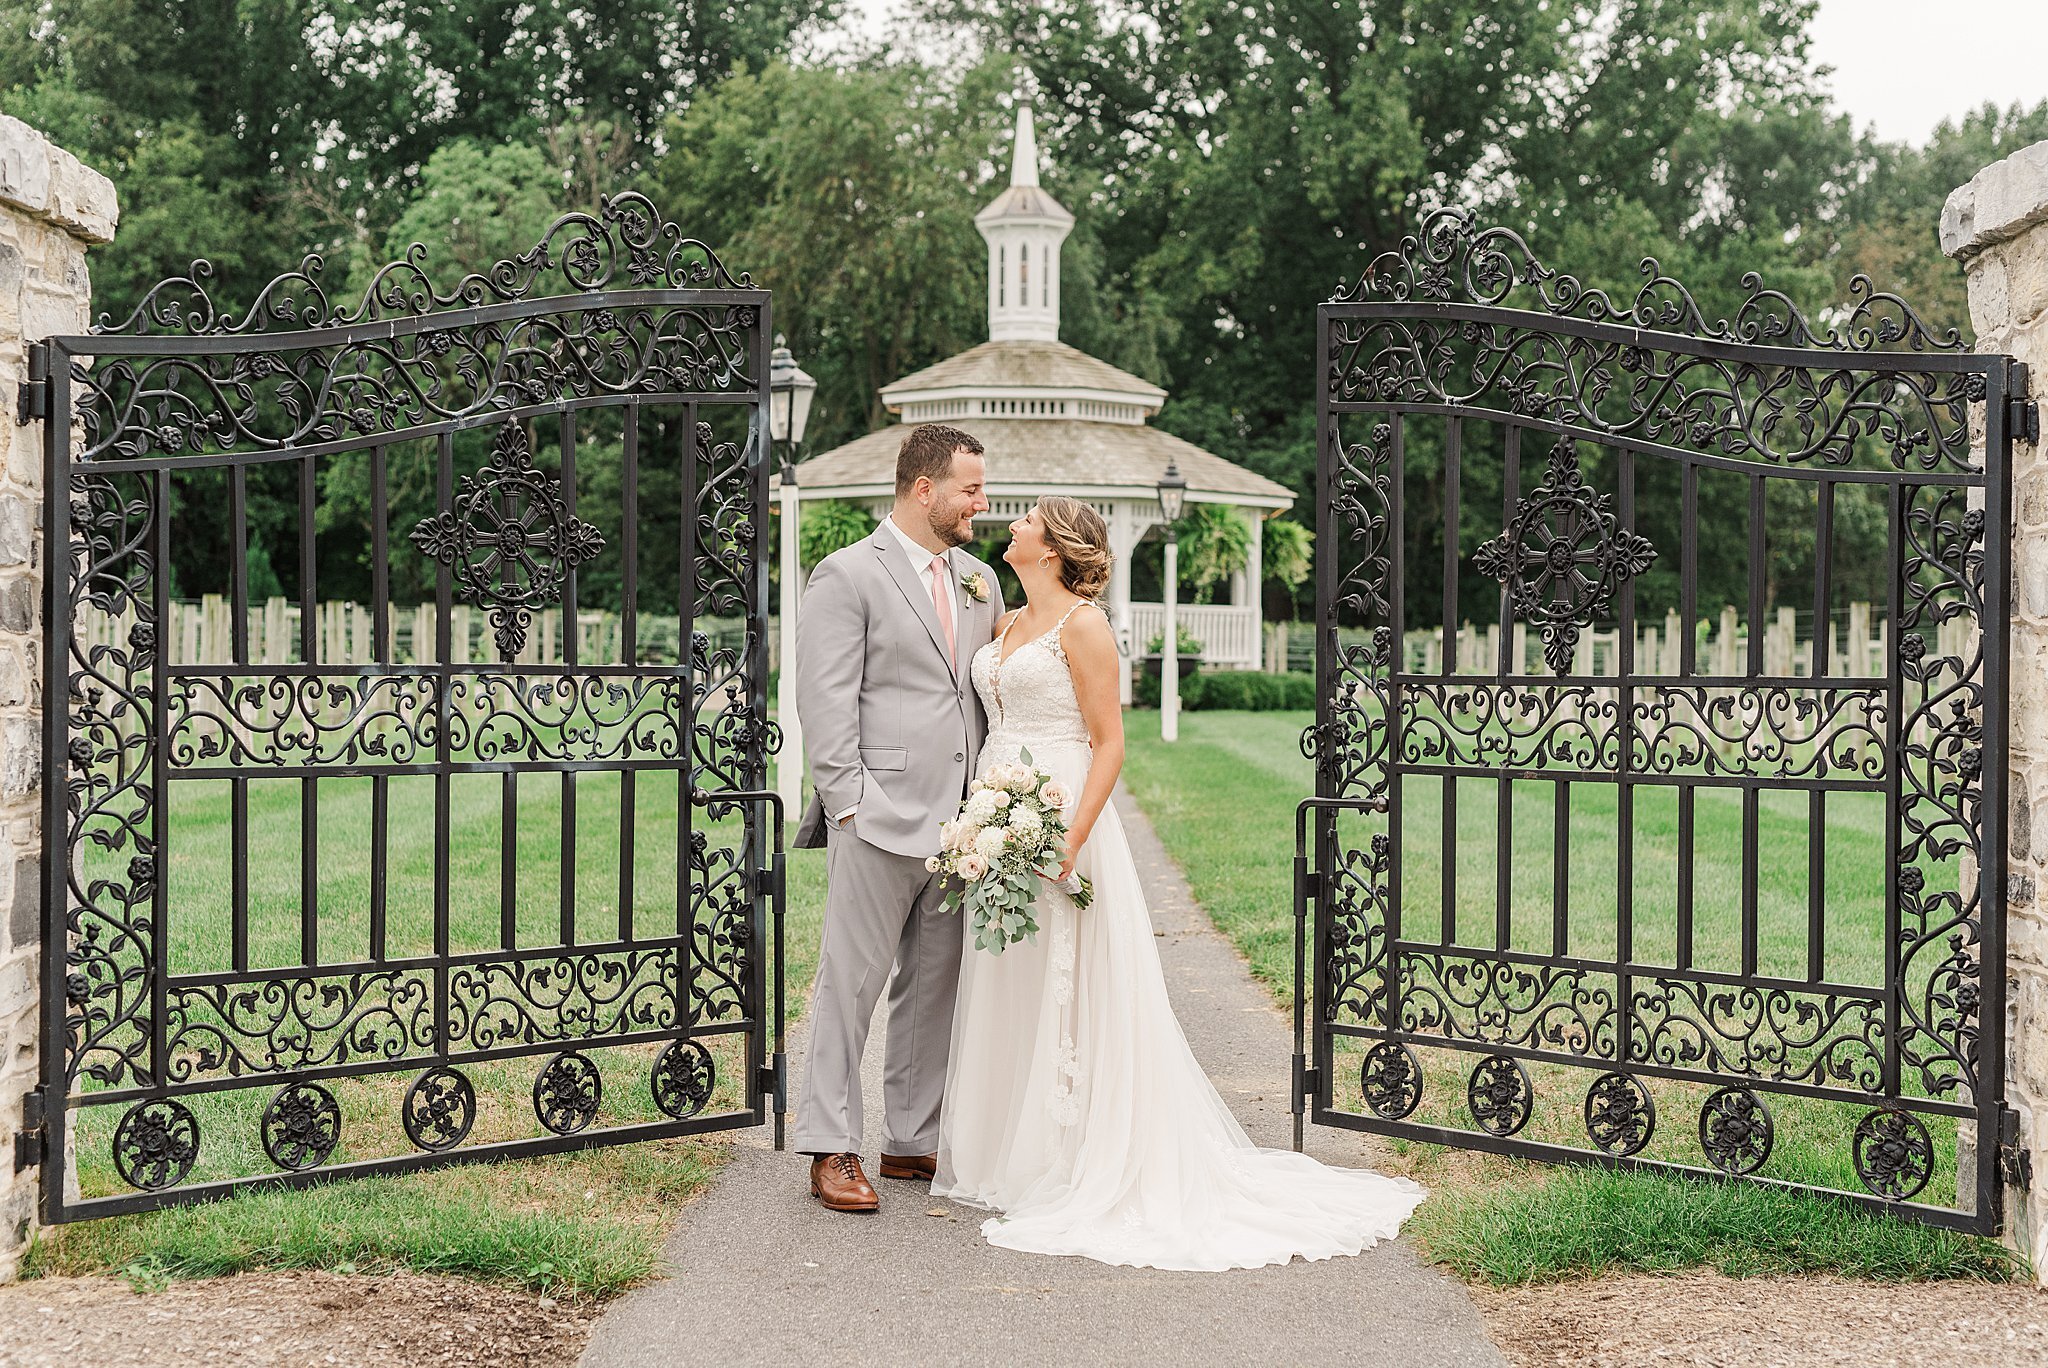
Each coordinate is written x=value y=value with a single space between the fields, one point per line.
x=1056 y=795
x=972 y=867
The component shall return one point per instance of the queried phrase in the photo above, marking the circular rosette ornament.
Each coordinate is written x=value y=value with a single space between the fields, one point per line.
x=1500 y=1095
x=684 y=1075
x=1391 y=1080
x=440 y=1107
x=1894 y=1157
x=1620 y=1114
x=156 y=1144
x=566 y=1093
x=301 y=1126
x=1736 y=1131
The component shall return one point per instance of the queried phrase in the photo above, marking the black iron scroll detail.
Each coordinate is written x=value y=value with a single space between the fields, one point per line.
x=510 y=538
x=1563 y=555
x=566 y=1093
x=301 y=1126
x=156 y=1144
x=1621 y=1116
x=682 y=1079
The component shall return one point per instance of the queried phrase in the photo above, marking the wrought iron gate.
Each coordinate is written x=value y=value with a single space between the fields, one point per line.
x=331 y=910
x=1661 y=740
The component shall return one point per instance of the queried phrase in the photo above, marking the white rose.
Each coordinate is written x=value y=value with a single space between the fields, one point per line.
x=931 y=864
x=972 y=867
x=1002 y=799
x=1055 y=794
x=963 y=836
x=989 y=845
x=1024 y=779
x=975 y=786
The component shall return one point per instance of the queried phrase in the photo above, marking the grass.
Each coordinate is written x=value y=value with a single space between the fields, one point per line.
x=586 y=1224
x=1223 y=801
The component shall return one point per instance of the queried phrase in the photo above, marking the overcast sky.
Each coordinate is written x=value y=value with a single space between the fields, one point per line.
x=1901 y=65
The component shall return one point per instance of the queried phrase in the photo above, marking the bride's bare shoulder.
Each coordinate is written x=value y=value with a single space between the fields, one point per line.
x=1088 y=626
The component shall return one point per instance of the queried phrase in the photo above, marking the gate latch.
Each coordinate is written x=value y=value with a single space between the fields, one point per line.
x=28 y=1141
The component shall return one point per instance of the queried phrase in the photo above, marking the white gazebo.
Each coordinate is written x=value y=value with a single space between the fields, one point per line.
x=1055 y=420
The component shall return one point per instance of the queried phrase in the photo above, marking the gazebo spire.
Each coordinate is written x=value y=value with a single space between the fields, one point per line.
x=1024 y=157
x=1024 y=229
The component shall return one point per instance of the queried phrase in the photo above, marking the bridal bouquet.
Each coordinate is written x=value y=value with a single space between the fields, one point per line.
x=1010 y=830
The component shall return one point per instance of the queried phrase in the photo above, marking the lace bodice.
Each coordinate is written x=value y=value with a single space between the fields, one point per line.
x=1030 y=696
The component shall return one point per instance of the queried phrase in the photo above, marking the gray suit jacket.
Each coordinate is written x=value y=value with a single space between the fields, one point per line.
x=891 y=726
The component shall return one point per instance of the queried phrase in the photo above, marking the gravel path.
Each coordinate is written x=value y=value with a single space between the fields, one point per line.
x=763 y=1276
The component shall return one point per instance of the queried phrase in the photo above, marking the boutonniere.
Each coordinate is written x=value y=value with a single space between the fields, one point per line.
x=976 y=586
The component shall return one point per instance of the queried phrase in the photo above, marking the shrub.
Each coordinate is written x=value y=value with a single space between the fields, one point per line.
x=1235 y=691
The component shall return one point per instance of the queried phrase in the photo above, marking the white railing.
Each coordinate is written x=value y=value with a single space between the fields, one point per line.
x=1228 y=633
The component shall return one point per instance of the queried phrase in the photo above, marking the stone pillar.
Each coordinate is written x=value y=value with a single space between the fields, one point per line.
x=1997 y=226
x=52 y=207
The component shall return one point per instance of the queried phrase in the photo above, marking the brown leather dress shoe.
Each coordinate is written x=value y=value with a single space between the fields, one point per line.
x=923 y=1167
x=837 y=1181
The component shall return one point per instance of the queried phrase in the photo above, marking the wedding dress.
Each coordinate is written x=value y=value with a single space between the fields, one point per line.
x=1073 y=1104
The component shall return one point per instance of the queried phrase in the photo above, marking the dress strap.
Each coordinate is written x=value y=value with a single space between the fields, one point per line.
x=1052 y=638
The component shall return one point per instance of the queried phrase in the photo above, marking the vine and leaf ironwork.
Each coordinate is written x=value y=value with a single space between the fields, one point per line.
x=1466 y=323
x=1497 y=337
x=618 y=308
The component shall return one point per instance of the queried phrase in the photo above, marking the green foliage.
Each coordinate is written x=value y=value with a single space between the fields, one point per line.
x=1287 y=552
x=830 y=525
x=1586 y=1222
x=1185 y=644
x=1234 y=691
x=1215 y=541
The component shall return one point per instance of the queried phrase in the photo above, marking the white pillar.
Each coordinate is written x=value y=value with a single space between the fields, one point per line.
x=1169 y=667
x=1125 y=528
x=1254 y=574
x=789 y=768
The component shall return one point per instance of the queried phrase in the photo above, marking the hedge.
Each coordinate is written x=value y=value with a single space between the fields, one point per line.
x=1235 y=690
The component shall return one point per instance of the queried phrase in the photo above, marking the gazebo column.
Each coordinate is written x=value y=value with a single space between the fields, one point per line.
x=789 y=761
x=1126 y=527
x=1254 y=576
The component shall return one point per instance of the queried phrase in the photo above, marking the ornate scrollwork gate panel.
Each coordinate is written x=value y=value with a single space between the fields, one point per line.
x=483 y=867
x=1661 y=731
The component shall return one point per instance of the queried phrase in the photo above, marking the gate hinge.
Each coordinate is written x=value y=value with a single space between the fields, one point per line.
x=767 y=881
x=769 y=1079
x=28 y=1141
x=2015 y=1164
x=1309 y=1083
x=32 y=400
x=2023 y=419
x=1312 y=885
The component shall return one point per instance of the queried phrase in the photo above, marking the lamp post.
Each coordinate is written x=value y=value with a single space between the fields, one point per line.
x=789 y=408
x=1173 y=493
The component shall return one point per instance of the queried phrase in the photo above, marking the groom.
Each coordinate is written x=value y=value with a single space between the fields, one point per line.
x=888 y=628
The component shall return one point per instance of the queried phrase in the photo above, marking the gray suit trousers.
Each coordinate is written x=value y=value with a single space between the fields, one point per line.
x=880 y=908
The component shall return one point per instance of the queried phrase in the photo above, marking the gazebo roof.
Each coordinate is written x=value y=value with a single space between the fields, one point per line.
x=1051 y=455
x=1024 y=364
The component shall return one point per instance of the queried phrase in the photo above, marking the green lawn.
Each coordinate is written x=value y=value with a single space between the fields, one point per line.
x=1223 y=800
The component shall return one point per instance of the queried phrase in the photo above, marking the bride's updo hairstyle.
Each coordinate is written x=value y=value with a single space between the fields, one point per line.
x=1079 y=536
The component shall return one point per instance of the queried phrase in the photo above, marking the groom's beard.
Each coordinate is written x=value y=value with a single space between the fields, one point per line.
x=949 y=532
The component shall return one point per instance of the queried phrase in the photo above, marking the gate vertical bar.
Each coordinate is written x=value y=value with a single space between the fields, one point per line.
x=1625 y=791
x=384 y=654
x=629 y=647
x=572 y=657
x=1994 y=638
x=60 y=567
x=687 y=579
x=238 y=786
x=160 y=783
x=309 y=787
x=1453 y=441
x=444 y=701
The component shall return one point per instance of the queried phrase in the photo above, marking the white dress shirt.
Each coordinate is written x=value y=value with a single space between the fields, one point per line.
x=921 y=563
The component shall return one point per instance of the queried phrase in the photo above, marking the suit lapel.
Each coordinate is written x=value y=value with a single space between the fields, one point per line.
x=914 y=588
x=963 y=612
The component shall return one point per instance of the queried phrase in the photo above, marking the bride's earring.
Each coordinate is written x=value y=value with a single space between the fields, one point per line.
x=1044 y=561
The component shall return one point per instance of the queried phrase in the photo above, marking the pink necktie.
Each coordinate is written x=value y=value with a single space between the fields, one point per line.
x=939 y=604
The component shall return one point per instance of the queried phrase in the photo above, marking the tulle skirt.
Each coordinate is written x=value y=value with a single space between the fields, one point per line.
x=1076 y=1110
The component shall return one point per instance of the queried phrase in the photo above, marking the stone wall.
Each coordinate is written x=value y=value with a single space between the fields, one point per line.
x=51 y=208
x=1997 y=225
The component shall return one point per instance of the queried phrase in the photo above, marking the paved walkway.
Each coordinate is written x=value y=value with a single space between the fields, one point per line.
x=762 y=1275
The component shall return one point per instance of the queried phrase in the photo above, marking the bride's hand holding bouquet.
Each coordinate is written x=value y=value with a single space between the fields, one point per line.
x=1011 y=831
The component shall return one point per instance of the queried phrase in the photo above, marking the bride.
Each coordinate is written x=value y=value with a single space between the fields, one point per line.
x=1073 y=1106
